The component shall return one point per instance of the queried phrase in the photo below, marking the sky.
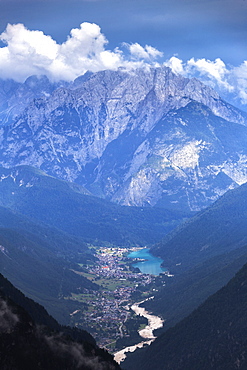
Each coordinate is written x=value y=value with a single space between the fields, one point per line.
x=64 y=38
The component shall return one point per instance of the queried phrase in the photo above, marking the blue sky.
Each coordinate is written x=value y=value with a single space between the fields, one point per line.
x=211 y=34
x=188 y=28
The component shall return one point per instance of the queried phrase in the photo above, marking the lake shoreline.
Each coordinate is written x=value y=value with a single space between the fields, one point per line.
x=146 y=262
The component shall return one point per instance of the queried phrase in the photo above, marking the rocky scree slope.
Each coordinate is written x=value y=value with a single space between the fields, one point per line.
x=144 y=137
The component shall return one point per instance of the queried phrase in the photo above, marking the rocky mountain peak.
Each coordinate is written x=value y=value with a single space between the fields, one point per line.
x=144 y=137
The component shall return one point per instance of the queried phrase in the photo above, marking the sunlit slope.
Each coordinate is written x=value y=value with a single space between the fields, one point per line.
x=140 y=137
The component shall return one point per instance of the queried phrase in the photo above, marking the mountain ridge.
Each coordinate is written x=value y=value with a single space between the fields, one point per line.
x=32 y=339
x=218 y=229
x=99 y=131
x=71 y=209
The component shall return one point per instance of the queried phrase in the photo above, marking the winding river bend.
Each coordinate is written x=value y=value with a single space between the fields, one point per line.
x=154 y=322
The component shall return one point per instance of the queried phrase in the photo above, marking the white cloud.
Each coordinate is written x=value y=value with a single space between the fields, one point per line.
x=29 y=52
x=32 y=52
x=225 y=79
x=215 y=70
x=8 y=319
x=176 y=65
x=239 y=81
x=147 y=52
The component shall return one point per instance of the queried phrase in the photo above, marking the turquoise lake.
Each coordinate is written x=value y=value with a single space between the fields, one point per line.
x=151 y=265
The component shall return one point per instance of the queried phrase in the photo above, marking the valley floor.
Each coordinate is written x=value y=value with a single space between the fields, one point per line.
x=154 y=322
x=108 y=316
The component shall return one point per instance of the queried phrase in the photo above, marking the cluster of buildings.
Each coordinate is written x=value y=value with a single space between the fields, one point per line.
x=114 y=263
x=109 y=307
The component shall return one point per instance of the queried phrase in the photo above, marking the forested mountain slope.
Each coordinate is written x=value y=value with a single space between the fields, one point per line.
x=38 y=260
x=25 y=343
x=216 y=230
x=211 y=337
x=70 y=208
x=204 y=253
x=186 y=291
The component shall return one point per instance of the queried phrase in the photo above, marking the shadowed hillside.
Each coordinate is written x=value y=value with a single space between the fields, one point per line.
x=26 y=345
x=219 y=229
x=211 y=337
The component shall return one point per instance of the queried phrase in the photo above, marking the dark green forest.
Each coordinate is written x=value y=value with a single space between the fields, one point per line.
x=218 y=229
x=32 y=339
x=211 y=337
x=68 y=207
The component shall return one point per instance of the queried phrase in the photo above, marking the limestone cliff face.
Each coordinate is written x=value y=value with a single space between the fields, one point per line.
x=137 y=138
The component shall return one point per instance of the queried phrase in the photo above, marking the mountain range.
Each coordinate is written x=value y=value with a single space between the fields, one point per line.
x=146 y=137
x=126 y=158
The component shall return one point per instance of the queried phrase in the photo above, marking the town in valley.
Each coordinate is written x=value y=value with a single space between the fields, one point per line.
x=106 y=313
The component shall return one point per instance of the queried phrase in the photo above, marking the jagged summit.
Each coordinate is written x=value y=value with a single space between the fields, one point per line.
x=143 y=137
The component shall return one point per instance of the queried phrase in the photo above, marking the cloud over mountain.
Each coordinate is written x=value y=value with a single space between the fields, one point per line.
x=225 y=79
x=31 y=52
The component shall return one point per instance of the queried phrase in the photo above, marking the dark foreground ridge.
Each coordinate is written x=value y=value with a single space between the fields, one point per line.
x=24 y=344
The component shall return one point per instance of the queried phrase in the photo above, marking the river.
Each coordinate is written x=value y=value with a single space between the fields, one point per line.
x=149 y=264
x=154 y=322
